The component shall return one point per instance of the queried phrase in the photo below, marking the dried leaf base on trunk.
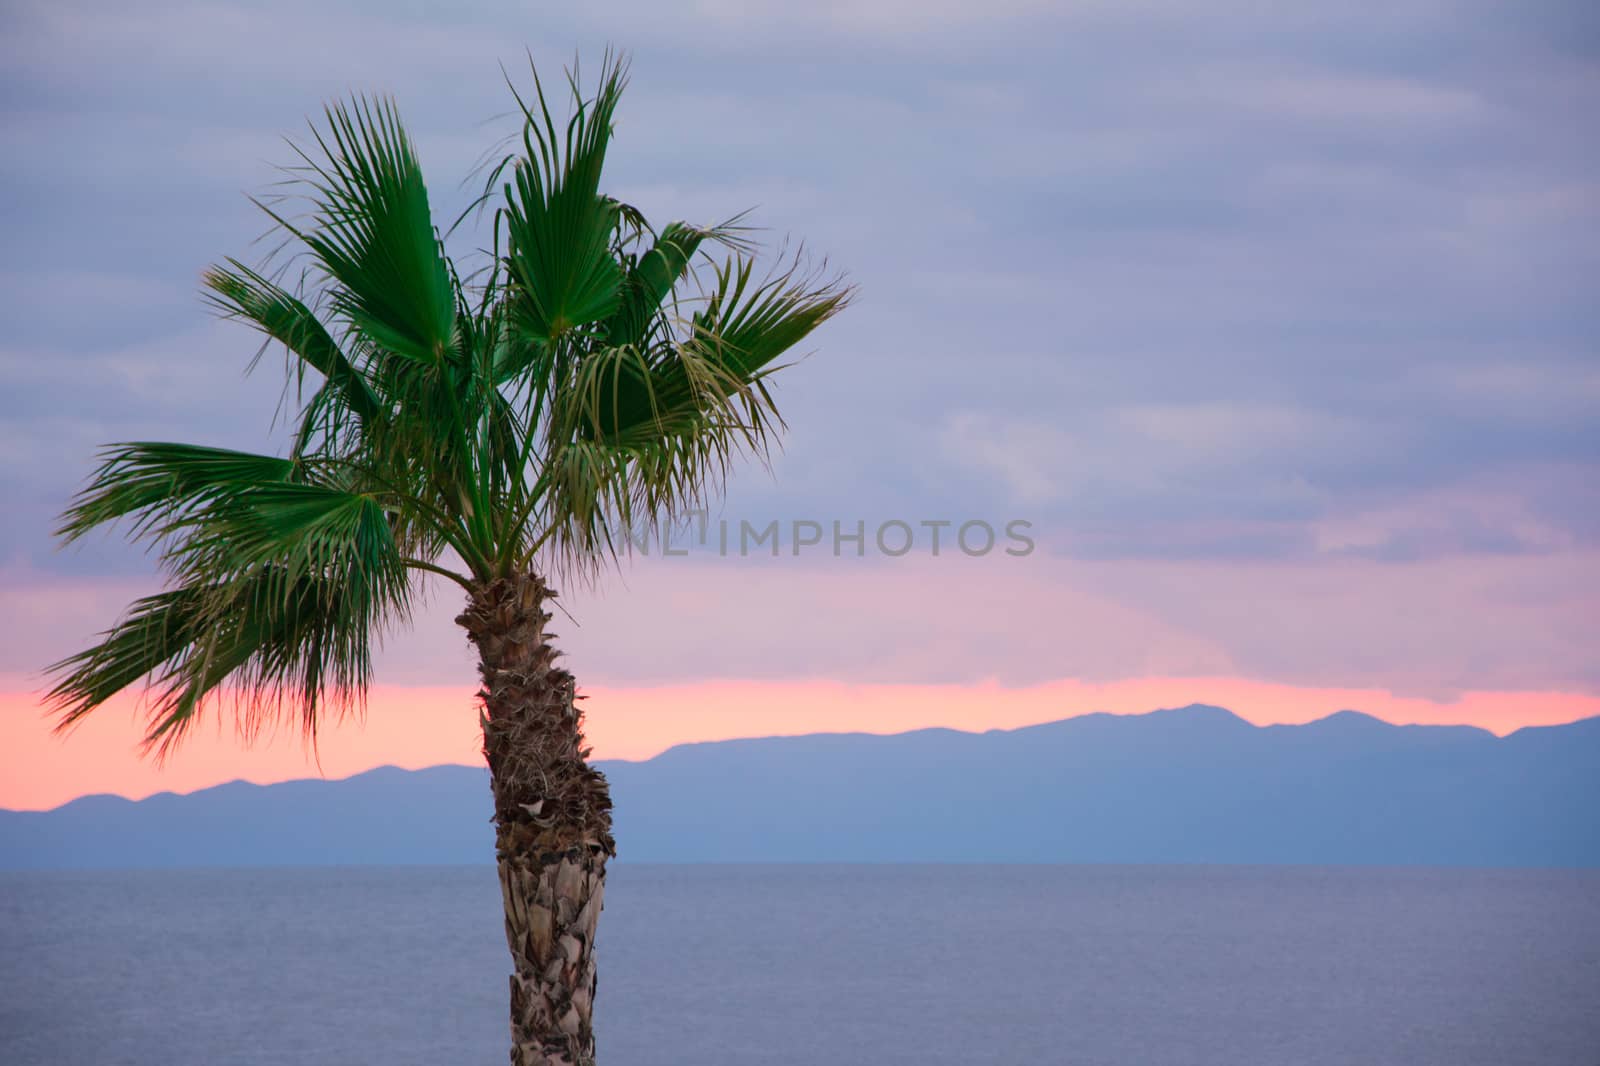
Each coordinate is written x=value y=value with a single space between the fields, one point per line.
x=552 y=816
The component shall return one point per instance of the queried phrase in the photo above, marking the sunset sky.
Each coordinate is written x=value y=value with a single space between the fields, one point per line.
x=1277 y=326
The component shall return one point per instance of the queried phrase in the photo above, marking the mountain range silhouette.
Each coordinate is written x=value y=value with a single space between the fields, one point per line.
x=1189 y=785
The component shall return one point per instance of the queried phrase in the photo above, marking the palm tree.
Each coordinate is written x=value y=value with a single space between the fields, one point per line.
x=502 y=430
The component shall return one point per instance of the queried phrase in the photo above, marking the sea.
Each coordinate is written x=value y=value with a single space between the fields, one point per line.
x=813 y=965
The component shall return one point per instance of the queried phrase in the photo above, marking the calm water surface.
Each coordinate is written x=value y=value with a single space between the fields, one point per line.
x=809 y=965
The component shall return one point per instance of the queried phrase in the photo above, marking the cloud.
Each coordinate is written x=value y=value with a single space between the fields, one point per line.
x=1214 y=286
x=1424 y=627
x=1266 y=90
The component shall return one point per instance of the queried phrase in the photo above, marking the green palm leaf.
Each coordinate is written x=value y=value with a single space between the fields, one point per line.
x=239 y=292
x=651 y=281
x=746 y=326
x=558 y=226
x=303 y=645
x=158 y=483
x=373 y=232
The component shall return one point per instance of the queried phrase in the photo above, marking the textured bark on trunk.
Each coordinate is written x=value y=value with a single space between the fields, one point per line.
x=552 y=814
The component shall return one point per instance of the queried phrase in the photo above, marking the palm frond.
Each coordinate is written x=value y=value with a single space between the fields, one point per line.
x=270 y=647
x=655 y=431
x=651 y=281
x=623 y=395
x=157 y=483
x=157 y=630
x=746 y=325
x=280 y=590
x=296 y=528
x=240 y=292
x=558 y=226
x=373 y=232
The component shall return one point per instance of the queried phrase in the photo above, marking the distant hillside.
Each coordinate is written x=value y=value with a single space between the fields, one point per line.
x=1196 y=784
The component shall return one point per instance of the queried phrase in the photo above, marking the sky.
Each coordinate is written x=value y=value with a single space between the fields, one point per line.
x=1274 y=323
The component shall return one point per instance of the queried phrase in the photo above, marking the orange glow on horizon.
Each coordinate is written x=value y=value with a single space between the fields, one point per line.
x=425 y=726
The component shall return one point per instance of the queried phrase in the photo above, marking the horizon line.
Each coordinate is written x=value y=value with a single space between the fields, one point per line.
x=1342 y=712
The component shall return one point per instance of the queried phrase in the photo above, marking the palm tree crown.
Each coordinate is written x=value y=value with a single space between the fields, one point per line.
x=595 y=374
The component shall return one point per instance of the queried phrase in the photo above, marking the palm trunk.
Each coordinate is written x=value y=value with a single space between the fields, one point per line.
x=552 y=814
